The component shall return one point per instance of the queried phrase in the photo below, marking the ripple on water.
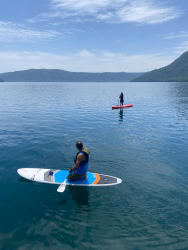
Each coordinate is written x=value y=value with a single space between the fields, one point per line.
x=145 y=145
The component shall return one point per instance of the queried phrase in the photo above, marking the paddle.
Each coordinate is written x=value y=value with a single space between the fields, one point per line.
x=62 y=187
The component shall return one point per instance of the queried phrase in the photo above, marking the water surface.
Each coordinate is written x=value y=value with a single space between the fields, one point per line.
x=145 y=145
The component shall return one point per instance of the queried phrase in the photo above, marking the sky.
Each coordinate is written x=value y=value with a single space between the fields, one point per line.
x=92 y=35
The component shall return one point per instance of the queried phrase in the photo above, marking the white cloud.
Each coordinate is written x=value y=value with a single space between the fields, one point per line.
x=83 y=61
x=122 y=11
x=11 y=32
x=146 y=12
x=181 y=34
x=86 y=6
x=182 y=47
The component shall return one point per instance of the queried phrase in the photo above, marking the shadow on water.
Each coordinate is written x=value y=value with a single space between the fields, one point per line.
x=20 y=179
x=79 y=194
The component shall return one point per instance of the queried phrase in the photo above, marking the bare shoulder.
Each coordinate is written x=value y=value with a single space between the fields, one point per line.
x=80 y=156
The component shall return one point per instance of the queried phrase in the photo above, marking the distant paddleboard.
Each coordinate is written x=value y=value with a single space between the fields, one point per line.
x=122 y=106
x=53 y=176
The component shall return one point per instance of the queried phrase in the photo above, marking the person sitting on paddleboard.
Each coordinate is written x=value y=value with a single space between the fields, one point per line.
x=121 y=97
x=80 y=167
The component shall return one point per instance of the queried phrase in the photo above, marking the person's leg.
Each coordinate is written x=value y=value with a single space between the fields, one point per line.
x=74 y=176
x=78 y=173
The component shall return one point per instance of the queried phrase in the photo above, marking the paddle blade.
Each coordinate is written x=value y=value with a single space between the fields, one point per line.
x=61 y=188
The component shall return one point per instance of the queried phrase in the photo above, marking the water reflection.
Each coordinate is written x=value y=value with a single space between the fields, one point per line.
x=181 y=101
x=121 y=115
x=80 y=195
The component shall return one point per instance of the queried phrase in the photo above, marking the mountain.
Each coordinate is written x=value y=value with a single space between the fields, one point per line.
x=177 y=71
x=56 y=75
x=1 y=80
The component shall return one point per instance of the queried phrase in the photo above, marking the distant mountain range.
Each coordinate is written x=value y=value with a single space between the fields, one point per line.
x=56 y=75
x=177 y=71
x=1 y=80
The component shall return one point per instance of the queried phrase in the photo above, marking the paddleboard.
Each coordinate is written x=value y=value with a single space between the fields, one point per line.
x=122 y=106
x=55 y=176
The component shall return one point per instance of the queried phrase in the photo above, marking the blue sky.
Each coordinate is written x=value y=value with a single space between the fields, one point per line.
x=92 y=35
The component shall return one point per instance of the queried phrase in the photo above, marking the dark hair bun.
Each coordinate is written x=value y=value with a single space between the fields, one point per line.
x=79 y=144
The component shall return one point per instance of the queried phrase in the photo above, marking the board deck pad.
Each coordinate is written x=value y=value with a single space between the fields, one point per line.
x=54 y=176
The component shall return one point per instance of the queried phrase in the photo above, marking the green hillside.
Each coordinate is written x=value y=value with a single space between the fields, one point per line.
x=174 y=72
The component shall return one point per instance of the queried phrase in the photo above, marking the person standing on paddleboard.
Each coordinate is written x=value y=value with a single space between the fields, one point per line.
x=121 y=98
x=80 y=167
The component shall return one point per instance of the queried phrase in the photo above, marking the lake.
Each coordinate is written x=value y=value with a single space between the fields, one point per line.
x=146 y=146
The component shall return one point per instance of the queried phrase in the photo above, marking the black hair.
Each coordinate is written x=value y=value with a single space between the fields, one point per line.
x=79 y=145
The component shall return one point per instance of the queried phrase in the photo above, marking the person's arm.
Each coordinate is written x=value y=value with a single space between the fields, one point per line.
x=80 y=158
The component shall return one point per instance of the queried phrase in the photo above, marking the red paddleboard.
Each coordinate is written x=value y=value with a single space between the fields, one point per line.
x=122 y=106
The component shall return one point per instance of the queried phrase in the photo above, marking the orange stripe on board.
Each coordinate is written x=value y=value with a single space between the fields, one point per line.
x=98 y=179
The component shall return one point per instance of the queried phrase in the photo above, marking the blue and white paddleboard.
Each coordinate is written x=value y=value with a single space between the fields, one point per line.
x=53 y=176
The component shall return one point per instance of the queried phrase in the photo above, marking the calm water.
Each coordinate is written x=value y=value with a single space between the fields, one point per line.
x=145 y=145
